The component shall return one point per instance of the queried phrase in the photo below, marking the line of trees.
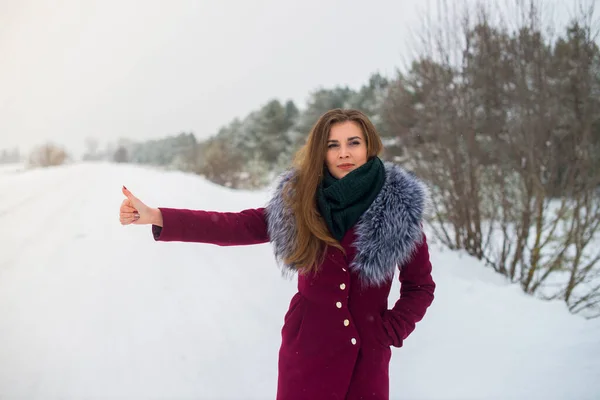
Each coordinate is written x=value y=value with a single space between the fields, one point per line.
x=505 y=125
x=248 y=152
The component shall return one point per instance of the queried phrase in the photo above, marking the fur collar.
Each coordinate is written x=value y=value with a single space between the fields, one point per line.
x=387 y=233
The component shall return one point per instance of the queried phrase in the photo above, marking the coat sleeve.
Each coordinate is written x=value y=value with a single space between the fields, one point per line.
x=220 y=228
x=416 y=295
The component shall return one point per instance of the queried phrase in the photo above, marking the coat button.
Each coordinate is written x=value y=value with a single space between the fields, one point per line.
x=338 y=304
x=343 y=286
x=353 y=341
x=343 y=269
x=346 y=322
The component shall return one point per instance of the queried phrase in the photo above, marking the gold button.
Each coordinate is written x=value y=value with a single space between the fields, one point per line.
x=353 y=341
x=346 y=322
x=338 y=304
x=343 y=286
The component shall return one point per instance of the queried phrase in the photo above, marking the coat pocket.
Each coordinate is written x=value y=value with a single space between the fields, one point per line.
x=381 y=333
x=292 y=321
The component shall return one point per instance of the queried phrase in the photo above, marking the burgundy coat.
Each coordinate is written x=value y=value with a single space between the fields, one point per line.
x=338 y=330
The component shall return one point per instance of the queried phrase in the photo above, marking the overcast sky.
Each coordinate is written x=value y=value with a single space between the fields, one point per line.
x=72 y=69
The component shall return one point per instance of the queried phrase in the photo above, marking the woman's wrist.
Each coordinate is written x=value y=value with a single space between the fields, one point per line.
x=157 y=217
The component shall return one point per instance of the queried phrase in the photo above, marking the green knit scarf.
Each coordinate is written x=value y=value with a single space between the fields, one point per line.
x=342 y=201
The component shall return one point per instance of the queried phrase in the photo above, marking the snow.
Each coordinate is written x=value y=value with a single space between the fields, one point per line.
x=90 y=309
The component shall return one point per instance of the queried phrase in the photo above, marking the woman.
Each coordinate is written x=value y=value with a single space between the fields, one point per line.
x=344 y=221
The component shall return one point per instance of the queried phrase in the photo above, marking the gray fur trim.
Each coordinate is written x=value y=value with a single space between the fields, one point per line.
x=281 y=224
x=387 y=234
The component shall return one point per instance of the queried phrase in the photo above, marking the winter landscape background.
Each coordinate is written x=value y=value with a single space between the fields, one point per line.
x=495 y=104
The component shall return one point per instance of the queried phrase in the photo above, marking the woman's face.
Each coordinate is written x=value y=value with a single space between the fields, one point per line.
x=346 y=148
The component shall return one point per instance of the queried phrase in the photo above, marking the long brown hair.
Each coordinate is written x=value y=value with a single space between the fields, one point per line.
x=312 y=234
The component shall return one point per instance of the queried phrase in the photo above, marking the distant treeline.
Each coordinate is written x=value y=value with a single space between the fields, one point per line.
x=10 y=156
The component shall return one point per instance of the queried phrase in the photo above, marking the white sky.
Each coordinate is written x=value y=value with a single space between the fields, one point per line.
x=70 y=69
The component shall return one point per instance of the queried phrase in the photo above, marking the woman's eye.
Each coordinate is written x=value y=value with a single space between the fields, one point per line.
x=354 y=143
x=331 y=146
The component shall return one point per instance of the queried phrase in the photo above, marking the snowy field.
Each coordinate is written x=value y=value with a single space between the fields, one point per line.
x=90 y=309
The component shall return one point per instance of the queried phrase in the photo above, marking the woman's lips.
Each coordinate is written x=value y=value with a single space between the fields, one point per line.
x=345 y=166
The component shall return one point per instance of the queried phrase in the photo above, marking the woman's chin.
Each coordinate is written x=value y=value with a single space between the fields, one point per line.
x=340 y=173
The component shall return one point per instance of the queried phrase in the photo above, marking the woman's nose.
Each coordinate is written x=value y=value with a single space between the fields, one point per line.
x=343 y=152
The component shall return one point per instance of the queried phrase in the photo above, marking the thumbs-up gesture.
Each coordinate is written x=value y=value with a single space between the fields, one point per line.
x=134 y=211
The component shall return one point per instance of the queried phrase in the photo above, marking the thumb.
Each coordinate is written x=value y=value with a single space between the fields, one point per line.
x=128 y=194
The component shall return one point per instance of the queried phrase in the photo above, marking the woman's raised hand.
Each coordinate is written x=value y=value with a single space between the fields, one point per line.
x=134 y=211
